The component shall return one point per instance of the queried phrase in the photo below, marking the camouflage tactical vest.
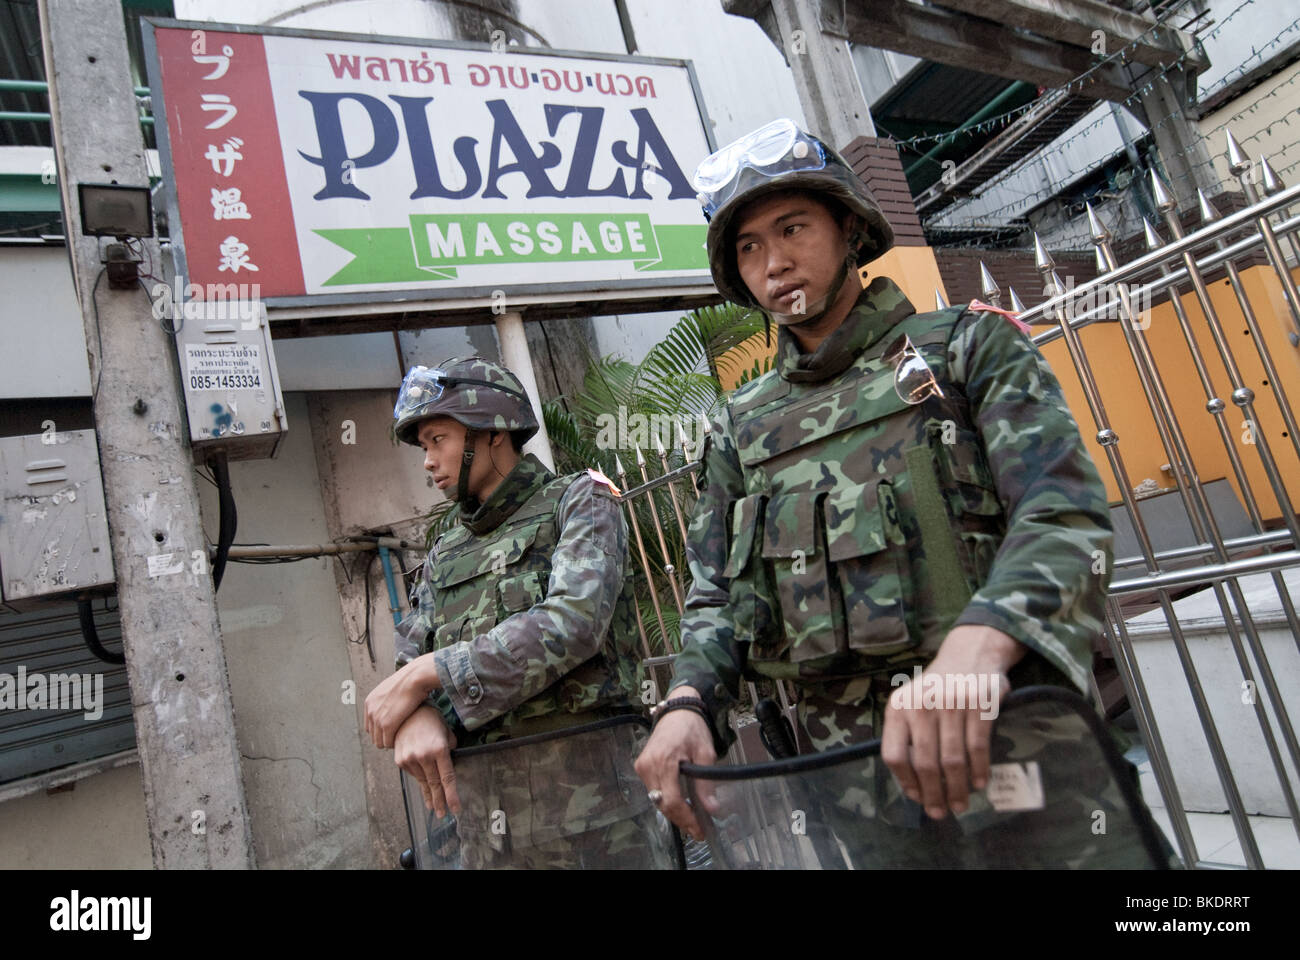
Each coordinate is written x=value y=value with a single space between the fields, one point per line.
x=829 y=573
x=479 y=581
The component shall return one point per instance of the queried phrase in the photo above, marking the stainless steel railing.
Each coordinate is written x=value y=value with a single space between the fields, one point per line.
x=1173 y=266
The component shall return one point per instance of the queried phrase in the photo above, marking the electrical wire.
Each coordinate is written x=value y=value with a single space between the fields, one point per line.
x=163 y=322
x=559 y=392
x=99 y=338
x=1059 y=146
x=86 y=618
x=229 y=520
x=365 y=636
x=346 y=572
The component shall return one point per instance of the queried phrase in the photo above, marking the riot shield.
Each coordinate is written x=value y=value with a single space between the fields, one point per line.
x=568 y=799
x=1059 y=796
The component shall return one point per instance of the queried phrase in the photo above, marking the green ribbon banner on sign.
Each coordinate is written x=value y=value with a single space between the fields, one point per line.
x=434 y=245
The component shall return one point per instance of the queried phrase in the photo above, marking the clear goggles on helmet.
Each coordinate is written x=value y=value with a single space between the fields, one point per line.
x=774 y=148
x=423 y=385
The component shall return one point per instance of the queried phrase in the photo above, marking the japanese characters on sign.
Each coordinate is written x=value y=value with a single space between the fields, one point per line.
x=321 y=166
x=226 y=163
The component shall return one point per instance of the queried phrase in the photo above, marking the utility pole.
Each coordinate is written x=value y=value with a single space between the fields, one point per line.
x=1163 y=98
x=180 y=692
x=824 y=75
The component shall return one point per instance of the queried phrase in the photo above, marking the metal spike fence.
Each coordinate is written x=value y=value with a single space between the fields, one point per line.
x=659 y=496
x=1176 y=267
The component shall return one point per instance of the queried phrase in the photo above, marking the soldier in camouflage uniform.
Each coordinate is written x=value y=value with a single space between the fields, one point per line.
x=901 y=490
x=522 y=624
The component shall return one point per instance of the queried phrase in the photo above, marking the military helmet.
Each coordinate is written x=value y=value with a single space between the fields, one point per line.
x=473 y=391
x=779 y=156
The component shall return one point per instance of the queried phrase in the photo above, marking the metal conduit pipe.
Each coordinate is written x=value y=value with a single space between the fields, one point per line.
x=386 y=561
x=320 y=549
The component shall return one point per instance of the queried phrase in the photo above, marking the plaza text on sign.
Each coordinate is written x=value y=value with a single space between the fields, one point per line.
x=325 y=166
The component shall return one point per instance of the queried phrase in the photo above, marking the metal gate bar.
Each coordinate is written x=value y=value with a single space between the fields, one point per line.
x=1184 y=261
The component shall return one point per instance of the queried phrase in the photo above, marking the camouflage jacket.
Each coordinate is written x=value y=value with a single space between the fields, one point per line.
x=529 y=609
x=806 y=545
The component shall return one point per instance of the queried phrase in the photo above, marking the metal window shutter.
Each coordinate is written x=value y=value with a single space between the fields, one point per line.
x=48 y=641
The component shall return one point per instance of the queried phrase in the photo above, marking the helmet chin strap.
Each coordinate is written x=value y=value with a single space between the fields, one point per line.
x=466 y=461
x=819 y=307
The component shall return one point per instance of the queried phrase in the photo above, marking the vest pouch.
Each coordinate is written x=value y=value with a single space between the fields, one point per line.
x=752 y=601
x=795 y=553
x=980 y=549
x=971 y=493
x=871 y=572
x=521 y=592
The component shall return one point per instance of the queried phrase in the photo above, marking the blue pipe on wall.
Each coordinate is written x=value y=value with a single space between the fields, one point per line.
x=386 y=561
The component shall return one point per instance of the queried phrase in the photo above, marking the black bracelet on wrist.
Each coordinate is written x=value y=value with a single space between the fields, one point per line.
x=694 y=704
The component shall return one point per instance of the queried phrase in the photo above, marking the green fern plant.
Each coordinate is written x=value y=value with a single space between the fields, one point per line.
x=680 y=379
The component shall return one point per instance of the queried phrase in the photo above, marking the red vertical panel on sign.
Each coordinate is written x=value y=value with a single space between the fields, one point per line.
x=223 y=136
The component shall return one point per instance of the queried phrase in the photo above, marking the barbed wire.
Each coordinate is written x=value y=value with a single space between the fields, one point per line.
x=984 y=125
x=1048 y=191
x=1058 y=146
x=1240 y=71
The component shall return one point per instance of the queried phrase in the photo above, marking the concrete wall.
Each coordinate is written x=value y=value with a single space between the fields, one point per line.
x=369 y=485
x=287 y=654
x=93 y=824
x=1264 y=127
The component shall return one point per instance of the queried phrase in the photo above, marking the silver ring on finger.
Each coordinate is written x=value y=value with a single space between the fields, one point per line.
x=656 y=797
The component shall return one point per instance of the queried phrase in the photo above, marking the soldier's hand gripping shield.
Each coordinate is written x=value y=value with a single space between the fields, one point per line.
x=569 y=799
x=1060 y=796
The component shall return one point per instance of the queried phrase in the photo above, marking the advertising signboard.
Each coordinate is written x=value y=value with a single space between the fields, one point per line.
x=327 y=168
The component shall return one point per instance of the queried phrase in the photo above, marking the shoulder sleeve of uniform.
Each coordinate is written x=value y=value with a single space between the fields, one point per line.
x=589 y=506
x=528 y=651
x=1048 y=582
